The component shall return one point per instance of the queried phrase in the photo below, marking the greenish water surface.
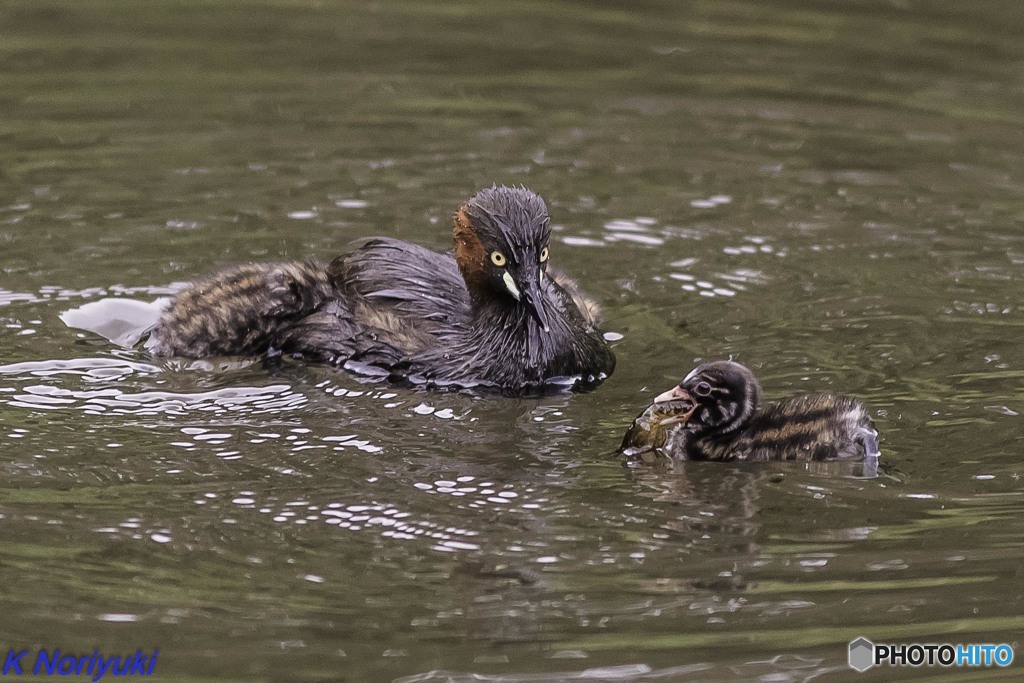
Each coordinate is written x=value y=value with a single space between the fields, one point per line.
x=828 y=192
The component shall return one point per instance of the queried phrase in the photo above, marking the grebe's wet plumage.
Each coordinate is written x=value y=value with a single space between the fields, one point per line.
x=724 y=420
x=493 y=315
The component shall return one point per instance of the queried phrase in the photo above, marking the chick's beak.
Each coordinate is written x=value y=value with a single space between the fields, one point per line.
x=676 y=393
x=684 y=411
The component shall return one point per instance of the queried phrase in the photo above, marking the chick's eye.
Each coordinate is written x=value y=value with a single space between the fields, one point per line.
x=543 y=254
x=498 y=259
x=702 y=389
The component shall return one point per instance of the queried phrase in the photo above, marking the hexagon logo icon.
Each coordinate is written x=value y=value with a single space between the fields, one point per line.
x=862 y=654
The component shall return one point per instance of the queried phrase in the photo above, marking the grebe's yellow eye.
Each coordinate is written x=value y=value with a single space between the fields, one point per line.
x=543 y=254
x=498 y=259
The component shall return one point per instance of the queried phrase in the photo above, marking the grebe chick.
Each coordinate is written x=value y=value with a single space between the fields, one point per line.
x=715 y=413
x=493 y=315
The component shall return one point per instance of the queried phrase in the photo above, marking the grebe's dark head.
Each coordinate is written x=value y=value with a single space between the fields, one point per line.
x=501 y=246
x=725 y=396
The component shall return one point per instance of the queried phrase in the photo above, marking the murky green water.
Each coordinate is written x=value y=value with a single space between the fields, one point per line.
x=832 y=195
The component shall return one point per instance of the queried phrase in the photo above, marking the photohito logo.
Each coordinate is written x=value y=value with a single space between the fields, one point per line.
x=864 y=654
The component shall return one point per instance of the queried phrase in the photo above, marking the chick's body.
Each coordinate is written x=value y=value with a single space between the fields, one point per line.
x=805 y=428
x=716 y=413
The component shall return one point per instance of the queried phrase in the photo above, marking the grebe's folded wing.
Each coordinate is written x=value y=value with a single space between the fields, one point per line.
x=404 y=278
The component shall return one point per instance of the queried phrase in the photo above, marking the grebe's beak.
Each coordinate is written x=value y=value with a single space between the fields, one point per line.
x=534 y=300
x=527 y=292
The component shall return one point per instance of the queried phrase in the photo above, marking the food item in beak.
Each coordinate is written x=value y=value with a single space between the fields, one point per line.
x=650 y=429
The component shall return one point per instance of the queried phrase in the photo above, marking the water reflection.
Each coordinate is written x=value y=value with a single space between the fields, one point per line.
x=631 y=672
x=228 y=401
x=7 y=297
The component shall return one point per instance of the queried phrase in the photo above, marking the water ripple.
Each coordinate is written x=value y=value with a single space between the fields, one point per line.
x=231 y=400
